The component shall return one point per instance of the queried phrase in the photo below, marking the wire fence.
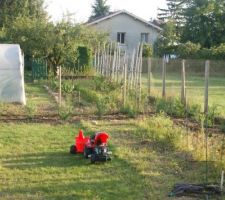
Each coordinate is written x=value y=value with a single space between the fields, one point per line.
x=198 y=82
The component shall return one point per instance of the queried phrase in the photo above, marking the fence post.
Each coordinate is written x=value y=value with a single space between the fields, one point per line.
x=149 y=75
x=164 y=78
x=183 y=82
x=125 y=84
x=207 y=64
x=60 y=84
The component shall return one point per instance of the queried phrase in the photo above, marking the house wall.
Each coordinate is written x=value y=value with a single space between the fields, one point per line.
x=131 y=26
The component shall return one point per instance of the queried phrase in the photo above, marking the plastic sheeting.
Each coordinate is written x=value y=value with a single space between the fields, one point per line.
x=11 y=74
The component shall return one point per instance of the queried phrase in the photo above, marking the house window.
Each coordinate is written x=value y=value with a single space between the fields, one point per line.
x=144 y=37
x=121 y=38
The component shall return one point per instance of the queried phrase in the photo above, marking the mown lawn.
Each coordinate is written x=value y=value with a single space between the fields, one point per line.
x=35 y=164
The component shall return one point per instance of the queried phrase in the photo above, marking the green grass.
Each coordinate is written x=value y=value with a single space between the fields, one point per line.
x=37 y=99
x=149 y=156
x=35 y=163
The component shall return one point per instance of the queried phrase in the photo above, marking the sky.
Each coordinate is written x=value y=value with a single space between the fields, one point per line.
x=81 y=9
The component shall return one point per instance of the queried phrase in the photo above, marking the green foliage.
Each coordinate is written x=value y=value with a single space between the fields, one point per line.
x=194 y=111
x=102 y=105
x=171 y=106
x=167 y=42
x=219 y=51
x=31 y=110
x=196 y=21
x=99 y=9
x=160 y=130
x=84 y=59
x=129 y=110
x=12 y=9
x=65 y=112
x=54 y=84
x=204 y=22
x=192 y=50
x=213 y=112
x=58 y=43
x=188 y=50
x=147 y=51
x=104 y=85
x=67 y=87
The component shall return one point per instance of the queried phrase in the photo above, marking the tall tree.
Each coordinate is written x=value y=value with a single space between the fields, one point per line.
x=11 y=9
x=173 y=12
x=205 y=22
x=99 y=9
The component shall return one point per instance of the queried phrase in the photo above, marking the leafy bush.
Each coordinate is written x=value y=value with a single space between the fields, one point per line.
x=171 y=106
x=129 y=110
x=219 y=52
x=188 y=50
x=147 y=51
x=104 y=85
x=84 y=58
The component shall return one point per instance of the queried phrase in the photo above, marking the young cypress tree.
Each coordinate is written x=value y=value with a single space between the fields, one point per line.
x=99 y=9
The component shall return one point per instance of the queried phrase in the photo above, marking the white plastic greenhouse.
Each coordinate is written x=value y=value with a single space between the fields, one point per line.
x=11 y=74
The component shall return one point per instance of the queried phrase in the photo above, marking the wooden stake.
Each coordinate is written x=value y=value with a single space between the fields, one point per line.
x=183 y=84
x=98 y=59
x=132 y=70
x=206 y=86
x=118 y=64
x=221 y=181
x=60 y=86
x=125 y=83
x=110 y=60
x=149 y=75
x=164 y=78
x=114 y=62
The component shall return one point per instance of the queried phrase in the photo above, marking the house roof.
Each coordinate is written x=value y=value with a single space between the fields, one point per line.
x=113 y=14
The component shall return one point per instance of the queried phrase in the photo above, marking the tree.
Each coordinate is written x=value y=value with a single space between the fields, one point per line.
x=99 y=9
x=167 y=42
x=173 y=13
x=204 y=22
x=11 y=9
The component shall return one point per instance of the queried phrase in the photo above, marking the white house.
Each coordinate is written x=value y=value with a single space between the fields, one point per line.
x=127 y=29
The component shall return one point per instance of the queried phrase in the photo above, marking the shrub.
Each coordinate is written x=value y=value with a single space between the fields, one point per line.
x=219 y=52
x=188 y=50
x=147 y=51
x=129 y=110
x=171 y=106
x=84 y=59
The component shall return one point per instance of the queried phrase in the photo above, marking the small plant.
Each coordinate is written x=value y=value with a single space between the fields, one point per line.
x=194 y=111
x=67 y=87
x=65 y=112
x=129 y=110
x=212 y=113
x=102 y=106
x=31 y=109
x=171 y=106
x=54 y=85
